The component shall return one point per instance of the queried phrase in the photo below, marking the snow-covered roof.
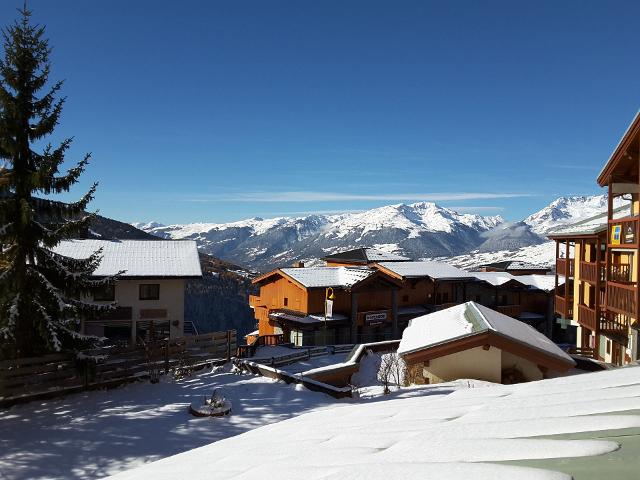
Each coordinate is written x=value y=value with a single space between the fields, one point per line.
x=316 y=277
x=514 y=265
x=308 y=319
x=435 y=270
x=636 y=119
x=537 y=281
x=138 y=258
x=365 y=255
x=541 y=282
x=470 y=319
x=495 y=278
x=589 y=226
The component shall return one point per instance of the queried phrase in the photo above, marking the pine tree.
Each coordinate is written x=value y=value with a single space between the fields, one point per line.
x=41 y=292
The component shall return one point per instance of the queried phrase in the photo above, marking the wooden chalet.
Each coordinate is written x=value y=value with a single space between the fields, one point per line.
x=599 y=260
x=528 y=298
x=375 y=301
x=426 y=286
x=291 y=303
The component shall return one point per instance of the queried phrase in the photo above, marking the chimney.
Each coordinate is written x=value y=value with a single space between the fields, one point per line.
x=298 y=264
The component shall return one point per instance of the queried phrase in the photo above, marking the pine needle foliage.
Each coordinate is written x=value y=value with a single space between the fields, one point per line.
x=41 y=292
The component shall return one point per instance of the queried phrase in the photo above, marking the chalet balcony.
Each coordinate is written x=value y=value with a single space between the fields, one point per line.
x=564 y=306
x=588 y=317
x=561 y=267
x=627 y=233
x=254 y=300
x=621 y=298
x=509 y=310
x=592 y=272
x=620 y=273
x=615 y=325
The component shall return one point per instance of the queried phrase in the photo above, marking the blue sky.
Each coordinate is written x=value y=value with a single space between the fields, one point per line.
x=217 y=111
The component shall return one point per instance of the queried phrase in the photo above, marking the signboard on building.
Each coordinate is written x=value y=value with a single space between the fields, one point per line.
x=375 y=318
x=616 y=232
x=629 y=234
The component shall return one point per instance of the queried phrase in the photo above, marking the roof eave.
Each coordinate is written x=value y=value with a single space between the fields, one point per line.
x=632 y=130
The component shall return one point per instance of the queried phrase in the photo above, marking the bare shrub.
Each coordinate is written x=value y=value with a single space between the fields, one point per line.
x=392 y=371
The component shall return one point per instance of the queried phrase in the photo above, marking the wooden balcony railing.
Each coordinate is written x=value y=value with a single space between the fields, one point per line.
x=619 y=272
x=582 y=351
x=628 y=232
x=587 y=317
x=621 y=298
x=614 y=324
x=564 y=307
x=254 y=300
x=590 y=271
x=561 y=266
x=509 y=310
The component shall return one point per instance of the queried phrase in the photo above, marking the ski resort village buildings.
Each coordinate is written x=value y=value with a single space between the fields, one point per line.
x=598 y=259
x=365 y=295
x=473 y=341
x=151 y=286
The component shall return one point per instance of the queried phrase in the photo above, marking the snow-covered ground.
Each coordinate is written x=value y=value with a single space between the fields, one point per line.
x=453 y=436
x=94 y=434
x=543 y=254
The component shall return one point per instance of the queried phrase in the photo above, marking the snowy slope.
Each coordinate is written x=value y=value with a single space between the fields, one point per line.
x=543 y=254
x=454 y=436
x=407 y=229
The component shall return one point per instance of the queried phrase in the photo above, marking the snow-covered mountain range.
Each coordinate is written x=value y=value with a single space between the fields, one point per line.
x=418 y=230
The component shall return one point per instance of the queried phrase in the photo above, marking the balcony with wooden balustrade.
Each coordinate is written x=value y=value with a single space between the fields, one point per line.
x=588 y=317
x=592 y=272
x=561 y=267
x=621 y=298
x=254 y=300
x=614 y=325
x=620 y=273
x=564 y=306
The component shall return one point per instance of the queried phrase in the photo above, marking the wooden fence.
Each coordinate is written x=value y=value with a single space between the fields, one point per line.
x=51 y=375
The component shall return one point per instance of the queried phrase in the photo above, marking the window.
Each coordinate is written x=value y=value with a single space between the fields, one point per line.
x=286 y=302
x=149 y=291
x=105 y=293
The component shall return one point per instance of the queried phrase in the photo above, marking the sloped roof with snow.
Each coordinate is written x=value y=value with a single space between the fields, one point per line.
x=588 y=226
x=365 y=255
x=470 y=319
x=138 y=258
x=537 y=281
x=541 y=282
x=435 y=270
x=495 y=278
x=316 y=277
x=514 y=265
